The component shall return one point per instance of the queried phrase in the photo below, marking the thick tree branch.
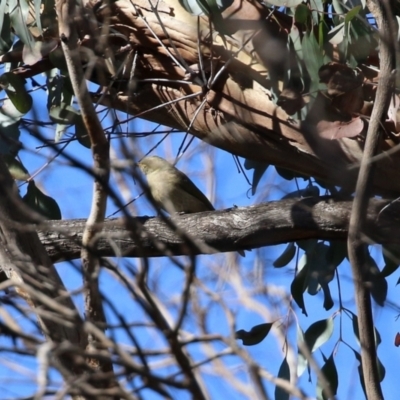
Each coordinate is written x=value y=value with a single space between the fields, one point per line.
x=356 y=244
x=228 y=230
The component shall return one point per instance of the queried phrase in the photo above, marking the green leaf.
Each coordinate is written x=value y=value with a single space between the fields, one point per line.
x=259 y=170
x=318 y=333
x=17 y=170
x=391 y=256
x=310 y=191
x=288 y=175
x=328 y=302
x=302 y=362
x=6 y=35
x=379 y=286
x=314 y=57
x=381 y=370
x=14 y=86
x=82 y=134
x=64 y=114
x=31 y=56
x=317 y=267
x=9 y=127
x=336 y=253
x=302 y=14
x=37 y=4
x=256 y=335
x=42 y=204
x=307 y=245
x=287 y=256
x=19 y=10
x=352 y=13
x=354 y=320
x=298 y=286
x=284 y=373
x=330 y=372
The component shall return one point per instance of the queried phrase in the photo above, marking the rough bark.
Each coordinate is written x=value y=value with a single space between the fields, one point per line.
x=227 y=230
x=26 y=262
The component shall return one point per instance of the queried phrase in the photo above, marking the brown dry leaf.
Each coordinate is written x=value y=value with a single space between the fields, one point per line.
x=334 y=130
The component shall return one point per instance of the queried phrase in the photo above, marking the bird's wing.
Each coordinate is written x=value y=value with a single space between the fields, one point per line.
x=187 y=185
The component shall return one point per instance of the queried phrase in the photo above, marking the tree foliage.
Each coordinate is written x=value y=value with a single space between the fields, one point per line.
x=294 y=85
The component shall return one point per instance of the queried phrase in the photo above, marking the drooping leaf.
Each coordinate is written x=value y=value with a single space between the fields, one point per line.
x=378 y=283
x=317 y=267
x=302 y=362
x=318 y=333
x=17 y=170
x=6 y=35
x=41 y=203
x=354 y=320
x=284 y=373
x=256 y=334
x=381 y=370
x=287 y=256
x=64 y=114
x=40 y=49
x=336 y=253
x=352 y=14
x=9 y=127
x=14 y=85
x=298 y=286
x=314 y=58
x=287 y=174
x=259 y=170
x=330 y=372
x=18 y=14
x=37 y=4
x=391 y=256
x=82 y=133
x=302 y=14
x=328 y=302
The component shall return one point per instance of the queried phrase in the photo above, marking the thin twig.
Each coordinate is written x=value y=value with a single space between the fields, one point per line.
x=357 y=248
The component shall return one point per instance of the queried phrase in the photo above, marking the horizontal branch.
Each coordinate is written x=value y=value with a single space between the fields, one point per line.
x=226 y=230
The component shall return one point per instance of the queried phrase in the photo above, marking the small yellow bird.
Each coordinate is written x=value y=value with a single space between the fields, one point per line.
x=172 y=190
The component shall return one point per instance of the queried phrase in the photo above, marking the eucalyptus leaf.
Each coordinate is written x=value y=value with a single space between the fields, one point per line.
x=14 y=85
x=41 y=203
x=284 y=373
x=302 y=362
x=82 y=133
x=64 y=114
x=354 y=320
x=287 y=256
x=298 y=286
x=256 y=335
x=6 y=35
x=330 y=373
x=16 y=169
x=259 y=170
x=391 y=256
x=19 y=10
x=318 y=333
